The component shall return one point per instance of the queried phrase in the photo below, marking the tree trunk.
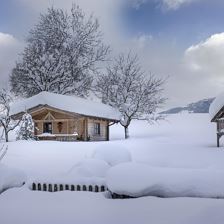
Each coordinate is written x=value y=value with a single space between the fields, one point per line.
x=126 y=132
x=6 y=136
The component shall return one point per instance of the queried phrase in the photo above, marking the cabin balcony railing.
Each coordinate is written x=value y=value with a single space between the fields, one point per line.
x=57 y=137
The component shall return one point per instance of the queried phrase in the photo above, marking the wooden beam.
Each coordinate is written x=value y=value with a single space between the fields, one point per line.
x=218 y=137
x=86 y=129
x=87 y=133
x=108 y=131
x=56 y=120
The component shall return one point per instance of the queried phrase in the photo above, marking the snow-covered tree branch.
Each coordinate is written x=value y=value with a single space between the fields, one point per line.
x=6 y=120
x=63 y=52
x=125 y=86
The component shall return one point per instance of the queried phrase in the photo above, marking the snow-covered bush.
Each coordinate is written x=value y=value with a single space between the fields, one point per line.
x=90 y=168
x=113 y=154
x=10 y=178
x=136 y=180
x=26 y=128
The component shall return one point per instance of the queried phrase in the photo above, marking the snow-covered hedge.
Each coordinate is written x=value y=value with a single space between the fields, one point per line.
x=113 y=154
x=86 y=172
x=10 y=178
x=138 y=180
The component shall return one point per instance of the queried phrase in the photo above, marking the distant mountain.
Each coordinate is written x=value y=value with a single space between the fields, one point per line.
x=201 y=106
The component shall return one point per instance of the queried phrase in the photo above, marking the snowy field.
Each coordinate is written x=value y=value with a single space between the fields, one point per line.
x=184 y=141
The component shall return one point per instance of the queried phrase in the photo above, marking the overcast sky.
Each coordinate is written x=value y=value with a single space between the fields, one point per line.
x=182 y=39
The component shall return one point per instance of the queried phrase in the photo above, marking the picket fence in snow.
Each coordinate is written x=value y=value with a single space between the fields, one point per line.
x=69 y=187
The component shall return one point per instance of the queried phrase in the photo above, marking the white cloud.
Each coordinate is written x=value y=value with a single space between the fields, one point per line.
x=164 y=4
x=207 y=56
x=9 y=48
x=142 y=40
x=176 y=4
x=136 y=4
x=6 y=39
x=205 y=62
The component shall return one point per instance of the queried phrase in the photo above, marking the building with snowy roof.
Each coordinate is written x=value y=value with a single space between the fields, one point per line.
x=67 y=118
x=216 y=112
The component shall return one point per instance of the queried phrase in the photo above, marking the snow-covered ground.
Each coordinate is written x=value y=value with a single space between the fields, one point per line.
x=183 y=141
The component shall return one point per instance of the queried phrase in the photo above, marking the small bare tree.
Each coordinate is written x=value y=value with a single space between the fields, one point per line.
x=6 y=120
x=125 y=86
x=63 y=53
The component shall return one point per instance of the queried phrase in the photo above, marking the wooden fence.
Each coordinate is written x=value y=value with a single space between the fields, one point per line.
x=68 y=187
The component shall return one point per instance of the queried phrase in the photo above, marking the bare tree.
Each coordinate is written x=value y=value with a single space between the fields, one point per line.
x=125 y=86
x=6 y=120
x=63 y=52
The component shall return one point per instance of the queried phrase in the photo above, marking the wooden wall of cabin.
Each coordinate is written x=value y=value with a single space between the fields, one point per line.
x=60 y=127
x=103 y=130
x=61 y=123
x=65 y=127
x=220 y=125
x=38 y=128
x=69 y=124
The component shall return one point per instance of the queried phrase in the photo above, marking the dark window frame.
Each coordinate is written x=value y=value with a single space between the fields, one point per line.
x=97 y=129
x=46 y=128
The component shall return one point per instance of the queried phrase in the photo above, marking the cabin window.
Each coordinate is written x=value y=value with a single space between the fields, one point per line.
x=97 y=128
x=47 y=127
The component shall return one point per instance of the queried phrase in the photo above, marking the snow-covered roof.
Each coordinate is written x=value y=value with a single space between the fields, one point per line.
x=216 y=105
x=67 y=103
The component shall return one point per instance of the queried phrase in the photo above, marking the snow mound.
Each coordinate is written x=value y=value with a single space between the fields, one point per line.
x=86 y=172
x=113 y=154
x=10 y=178
x=216 y=105
x=90 y=168
x=138 y=180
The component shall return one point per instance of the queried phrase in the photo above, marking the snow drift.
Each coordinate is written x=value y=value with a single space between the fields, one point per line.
x=138 y=180
x=113 y=154
x=10 y=178
x=90 y=168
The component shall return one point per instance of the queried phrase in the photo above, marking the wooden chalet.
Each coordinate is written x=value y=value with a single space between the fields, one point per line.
x=67 y=118
x=216 y=111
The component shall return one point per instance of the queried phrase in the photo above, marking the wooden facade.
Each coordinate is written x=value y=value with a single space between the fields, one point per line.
x=219 y=119
x=55 y=124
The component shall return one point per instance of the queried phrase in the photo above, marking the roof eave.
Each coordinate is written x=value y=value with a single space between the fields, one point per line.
x=215 y=118
x=19 y=114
